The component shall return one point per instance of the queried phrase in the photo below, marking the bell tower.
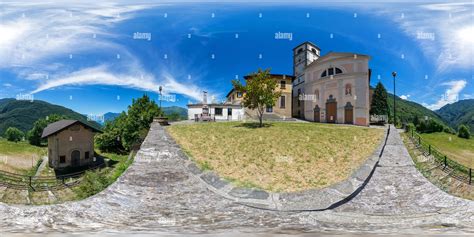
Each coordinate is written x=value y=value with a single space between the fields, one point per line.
x=303 y=55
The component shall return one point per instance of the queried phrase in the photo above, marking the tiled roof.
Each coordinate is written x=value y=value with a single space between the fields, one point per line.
x=60 y=125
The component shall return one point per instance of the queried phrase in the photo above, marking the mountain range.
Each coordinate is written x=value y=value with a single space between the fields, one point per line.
x=176 y=112
x=22 y=114
x=461 y=112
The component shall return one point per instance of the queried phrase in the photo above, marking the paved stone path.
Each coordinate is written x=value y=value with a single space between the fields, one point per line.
x=158 y=194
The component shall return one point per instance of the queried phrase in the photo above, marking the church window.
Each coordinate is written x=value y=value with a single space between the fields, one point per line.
x=314 y=51
x=331 y=71
x=218 y=111
x=338 y=71
x=300 y=50
x=324 y=74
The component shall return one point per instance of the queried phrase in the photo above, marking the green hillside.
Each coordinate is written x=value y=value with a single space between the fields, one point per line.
x=407 y=110
x=461 y=112
x=176 y=110
x=22 y=114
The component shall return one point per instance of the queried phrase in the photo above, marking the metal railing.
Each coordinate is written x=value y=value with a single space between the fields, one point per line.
x=451 y=167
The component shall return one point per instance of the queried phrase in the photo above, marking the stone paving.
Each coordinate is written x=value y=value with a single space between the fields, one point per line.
x=158 y=194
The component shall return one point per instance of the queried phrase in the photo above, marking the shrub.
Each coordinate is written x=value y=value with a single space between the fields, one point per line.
x=449 y=130
x=410 y=127
x=14 y=134
x=92 y=182
x=463 y=132
x=430 y=126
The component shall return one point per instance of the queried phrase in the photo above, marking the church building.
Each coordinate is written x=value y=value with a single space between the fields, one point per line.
x=333 y=88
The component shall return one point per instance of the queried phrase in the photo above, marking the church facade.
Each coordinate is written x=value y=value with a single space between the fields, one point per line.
x=333 y=88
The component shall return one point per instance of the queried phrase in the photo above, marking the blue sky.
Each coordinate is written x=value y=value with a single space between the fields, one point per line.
x=84 y=55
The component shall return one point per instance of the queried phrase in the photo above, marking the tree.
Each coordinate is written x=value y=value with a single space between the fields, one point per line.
x=128 y=128
x=259 y=92
x=379 y=104
x=14 y=134
x=110 y=140
x=463 y=131
x=34 y=135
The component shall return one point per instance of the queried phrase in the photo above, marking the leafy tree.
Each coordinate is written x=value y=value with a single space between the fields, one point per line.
x=260 y=92
x=463 y=131
x=379 y=104
x=430 y=126
x=110 y=139
x=34 y=135
x=128 y=128
x=14 y=134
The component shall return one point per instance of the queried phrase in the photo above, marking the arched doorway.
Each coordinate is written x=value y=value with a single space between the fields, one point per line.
x=331 y=110
x=317 y=114
x=75 y=158
x=349 y=113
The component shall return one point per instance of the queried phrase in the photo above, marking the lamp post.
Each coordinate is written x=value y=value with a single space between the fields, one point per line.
x=160 y=89
x=394 y=74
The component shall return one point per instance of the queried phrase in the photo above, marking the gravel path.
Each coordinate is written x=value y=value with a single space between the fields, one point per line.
x=157 y=194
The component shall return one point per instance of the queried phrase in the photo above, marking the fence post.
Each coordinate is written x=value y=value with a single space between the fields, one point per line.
x=470 y=176
x=429 y=149
x=419 y=140
x=445 y=161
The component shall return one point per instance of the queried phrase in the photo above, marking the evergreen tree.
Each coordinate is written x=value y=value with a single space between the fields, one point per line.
x=379 y=104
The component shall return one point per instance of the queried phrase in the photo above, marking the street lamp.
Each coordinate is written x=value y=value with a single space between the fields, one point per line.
x=160 y=89
x=394 y=74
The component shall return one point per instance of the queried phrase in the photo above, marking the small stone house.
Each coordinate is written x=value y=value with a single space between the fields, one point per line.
x=70 y=143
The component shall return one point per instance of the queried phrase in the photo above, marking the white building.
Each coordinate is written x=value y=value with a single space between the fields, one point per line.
x=215 y=111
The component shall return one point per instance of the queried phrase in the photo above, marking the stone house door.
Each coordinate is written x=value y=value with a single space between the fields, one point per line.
x=75 y=158
x=331 y=110
x=349 y=113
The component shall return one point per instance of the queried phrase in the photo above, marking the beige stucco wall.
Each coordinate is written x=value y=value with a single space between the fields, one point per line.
x=355 y=73
x=277 y=109
x=68 y=140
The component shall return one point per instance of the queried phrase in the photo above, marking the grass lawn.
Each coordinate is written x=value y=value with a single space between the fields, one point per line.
x=459 y=149
x=19 y=157
x=281 y=156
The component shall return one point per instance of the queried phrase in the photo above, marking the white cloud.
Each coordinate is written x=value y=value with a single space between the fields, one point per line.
x=405 y=97
x=453 y=29
x=101 y=75
x=36 y=45
x=451 y=94
x=35 y=33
